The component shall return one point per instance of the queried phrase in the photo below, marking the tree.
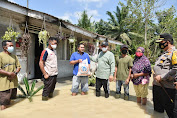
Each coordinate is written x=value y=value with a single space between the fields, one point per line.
x=100 y=27
x=85 y=22
x=145 y=9
x=119 y=26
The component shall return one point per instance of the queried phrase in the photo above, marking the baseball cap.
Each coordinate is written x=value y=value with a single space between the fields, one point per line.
x=105 y=43
x=164 y=37
x=124 y=46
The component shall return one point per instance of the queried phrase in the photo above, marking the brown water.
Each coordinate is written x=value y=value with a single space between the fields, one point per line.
x=63 y=105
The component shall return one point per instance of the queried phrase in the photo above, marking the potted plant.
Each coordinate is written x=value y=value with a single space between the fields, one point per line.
x=10 y=34
x=29 y=93
x=43 y=37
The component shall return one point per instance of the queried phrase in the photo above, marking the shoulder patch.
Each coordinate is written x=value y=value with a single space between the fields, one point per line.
x=174 y=58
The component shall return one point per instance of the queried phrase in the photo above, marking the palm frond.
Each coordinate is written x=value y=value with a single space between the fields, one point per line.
x=22 y=90
x=125 y=38
x=112 y=18
x=41 y=87
x=26 y=85
x=32 y=87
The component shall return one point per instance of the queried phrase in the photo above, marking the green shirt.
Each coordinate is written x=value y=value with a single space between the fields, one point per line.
x=123 y=64
x=106 y=64
x=8 y=63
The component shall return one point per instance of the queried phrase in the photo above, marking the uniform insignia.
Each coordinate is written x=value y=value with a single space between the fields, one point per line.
x=174 y=58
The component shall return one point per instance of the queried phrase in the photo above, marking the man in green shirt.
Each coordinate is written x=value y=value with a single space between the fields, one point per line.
x=123 y=72
x=105 y=69
x=9 y=68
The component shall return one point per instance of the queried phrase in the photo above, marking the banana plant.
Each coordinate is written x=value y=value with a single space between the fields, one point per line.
x=29 y=93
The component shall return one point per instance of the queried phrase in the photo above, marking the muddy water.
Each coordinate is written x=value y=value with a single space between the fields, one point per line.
x=63 y=105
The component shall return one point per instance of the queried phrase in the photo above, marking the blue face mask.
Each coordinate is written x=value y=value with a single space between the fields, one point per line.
x=10 y=49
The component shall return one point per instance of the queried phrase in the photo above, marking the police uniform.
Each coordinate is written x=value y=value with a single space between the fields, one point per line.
x=165 y=66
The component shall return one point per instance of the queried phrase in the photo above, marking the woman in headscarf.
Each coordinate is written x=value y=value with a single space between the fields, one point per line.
x=141 y=72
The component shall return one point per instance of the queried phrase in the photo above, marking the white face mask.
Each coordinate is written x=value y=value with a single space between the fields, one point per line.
x=10 y=49
x=54 y=46
x=104 y=49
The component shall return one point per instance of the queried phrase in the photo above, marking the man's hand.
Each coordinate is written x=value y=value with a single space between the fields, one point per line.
x=80 y=60
x=111 y=78
x=158 y=78
x=131 y=76
x=175 y=85
x=46 y=76
x=11 y=75
x=127 y=81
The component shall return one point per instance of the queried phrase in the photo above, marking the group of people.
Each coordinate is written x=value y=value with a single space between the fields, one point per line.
x=124 y=69
x=121 y=69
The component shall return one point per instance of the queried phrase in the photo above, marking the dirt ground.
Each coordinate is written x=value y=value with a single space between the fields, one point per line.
x=63 y=105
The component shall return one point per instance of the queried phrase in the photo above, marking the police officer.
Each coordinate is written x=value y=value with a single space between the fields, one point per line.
x=164 y=73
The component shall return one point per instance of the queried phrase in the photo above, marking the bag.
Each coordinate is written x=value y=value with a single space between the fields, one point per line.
x=83 y=68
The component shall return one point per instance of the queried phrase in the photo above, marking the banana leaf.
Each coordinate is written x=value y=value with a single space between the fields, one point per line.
x=22 y=90
x=26 y=85
x=32 y=87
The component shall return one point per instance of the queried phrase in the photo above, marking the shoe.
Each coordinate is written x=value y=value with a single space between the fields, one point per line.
x=126 y=97
x=106 y=95
x=44 y=98
x=117 y=96
x=97 y=94
x=51 y=95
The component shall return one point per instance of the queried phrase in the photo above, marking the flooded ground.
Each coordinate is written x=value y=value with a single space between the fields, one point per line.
x=63 y=105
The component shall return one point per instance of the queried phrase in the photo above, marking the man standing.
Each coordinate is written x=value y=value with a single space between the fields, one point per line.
x=123 y=72
x=76 y=58
x=105 y=69
x=49 y=68
x=9 y=68
x=164 y=73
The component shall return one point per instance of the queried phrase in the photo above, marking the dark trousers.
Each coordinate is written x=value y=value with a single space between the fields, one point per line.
x=162 y=101
x=49 y=85
x=175 y=109
x=6 y=96
x=100 y=83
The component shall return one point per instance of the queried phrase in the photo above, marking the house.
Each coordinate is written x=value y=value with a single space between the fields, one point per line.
x=19 y=15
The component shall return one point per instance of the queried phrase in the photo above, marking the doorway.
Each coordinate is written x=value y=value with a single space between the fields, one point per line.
x=38 y=51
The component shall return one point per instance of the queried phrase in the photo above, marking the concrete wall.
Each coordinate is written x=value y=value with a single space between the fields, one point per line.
x=64 y=68
x=31 y=58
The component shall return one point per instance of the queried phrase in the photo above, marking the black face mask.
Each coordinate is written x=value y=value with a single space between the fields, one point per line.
x=124 y=51
x=162 y=45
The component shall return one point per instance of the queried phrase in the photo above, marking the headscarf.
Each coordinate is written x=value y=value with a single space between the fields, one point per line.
x=141 y=65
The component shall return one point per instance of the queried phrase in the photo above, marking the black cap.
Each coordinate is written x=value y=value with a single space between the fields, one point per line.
x=124 y=46
x=164 y=37
x=105 y=43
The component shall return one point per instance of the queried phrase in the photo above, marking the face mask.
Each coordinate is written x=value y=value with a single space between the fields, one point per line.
x=124 y=51
x=54 y=46
x=104 y=49
x=162 y=45
x=10 y=49
x=139 y=54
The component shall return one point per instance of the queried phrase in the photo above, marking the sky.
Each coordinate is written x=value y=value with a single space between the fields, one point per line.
x=71 y=9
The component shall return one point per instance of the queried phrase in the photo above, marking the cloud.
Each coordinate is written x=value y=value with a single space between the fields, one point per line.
x=66 y=16
x=99 y=3
x=94 y=13
x=12 y=1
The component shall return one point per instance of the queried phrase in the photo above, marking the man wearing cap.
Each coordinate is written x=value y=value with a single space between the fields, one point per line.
x=164 y=74
x=105 y=69
x=122 y=74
